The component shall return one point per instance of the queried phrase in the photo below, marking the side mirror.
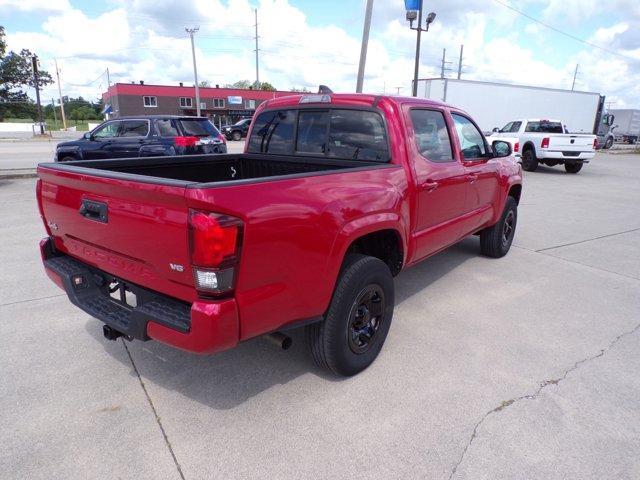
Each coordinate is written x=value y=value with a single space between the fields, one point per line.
x=501 y=149
x=87 y=136
x=495 y=130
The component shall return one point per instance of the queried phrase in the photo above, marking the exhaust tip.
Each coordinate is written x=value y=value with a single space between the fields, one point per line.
x=280 y=340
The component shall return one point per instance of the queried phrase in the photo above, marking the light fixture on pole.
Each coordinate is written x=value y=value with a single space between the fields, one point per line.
x=414 y=11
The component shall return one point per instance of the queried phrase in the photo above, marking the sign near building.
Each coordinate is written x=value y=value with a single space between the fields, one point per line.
x=234 y=100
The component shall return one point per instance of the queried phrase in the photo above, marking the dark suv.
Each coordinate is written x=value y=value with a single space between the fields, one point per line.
x=238 y=130
x=145 y=136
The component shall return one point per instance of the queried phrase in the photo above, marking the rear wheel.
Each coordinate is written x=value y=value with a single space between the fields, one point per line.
x=236 y=135
x=496 y=241
x=68 y=158
x=608 y=143
x=358 y=320
x=529 y=160
x=573 y=167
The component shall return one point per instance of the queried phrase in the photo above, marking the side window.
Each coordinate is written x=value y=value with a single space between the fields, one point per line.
x=431 y=135
x=357 y=135
x=134 y=128
x=515 y=127
x=507 y=127
x=471 y=140
x=273 y=132
x=166 y=128
x=109 y=130
x=312 y=131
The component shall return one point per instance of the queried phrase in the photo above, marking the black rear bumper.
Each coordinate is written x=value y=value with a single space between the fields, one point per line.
x=91 y=290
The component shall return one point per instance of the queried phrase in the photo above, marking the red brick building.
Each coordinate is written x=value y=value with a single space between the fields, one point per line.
x=222 y=105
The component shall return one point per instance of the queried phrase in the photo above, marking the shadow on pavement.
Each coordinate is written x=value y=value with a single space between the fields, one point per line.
x=226 y=380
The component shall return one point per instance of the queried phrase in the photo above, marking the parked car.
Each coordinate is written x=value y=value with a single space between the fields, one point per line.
x=333 y=197
x=238 y=130
x=547 y=142
x=145 y=136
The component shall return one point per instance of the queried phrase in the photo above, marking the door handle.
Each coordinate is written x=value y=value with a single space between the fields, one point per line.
x=429 y=186
x=472 y=177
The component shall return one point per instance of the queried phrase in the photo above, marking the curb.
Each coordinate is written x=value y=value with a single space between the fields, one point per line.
x=18 y=173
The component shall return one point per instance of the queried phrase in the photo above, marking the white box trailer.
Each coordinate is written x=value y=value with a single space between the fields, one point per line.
x=627 y=122
x=494 y=104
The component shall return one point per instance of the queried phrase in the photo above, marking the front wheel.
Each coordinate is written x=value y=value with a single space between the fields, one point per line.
x=358 y=320
x=496 y=241
x=237 y=136
x=608 y=143
x=573 y=167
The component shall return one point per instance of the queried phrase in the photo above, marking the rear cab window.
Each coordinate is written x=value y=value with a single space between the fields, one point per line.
x=544 y=126
x=339 y=133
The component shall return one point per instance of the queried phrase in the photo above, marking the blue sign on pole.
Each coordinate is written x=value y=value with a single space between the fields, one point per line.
x=412 y=4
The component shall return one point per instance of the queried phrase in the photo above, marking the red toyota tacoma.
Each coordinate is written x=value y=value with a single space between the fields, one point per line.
x=334 y=195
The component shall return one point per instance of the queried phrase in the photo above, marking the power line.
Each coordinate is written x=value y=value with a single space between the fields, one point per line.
x=573 y=37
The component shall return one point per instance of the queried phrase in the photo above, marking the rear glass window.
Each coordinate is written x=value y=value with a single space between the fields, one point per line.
x=312 y=131
x=198 y=127
x=167 y=128
x=357 y=134
x=134 y=128
x=544 y=127
x=273 y=132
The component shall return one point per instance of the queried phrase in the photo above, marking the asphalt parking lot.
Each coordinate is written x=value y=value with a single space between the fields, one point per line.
x=519 y=368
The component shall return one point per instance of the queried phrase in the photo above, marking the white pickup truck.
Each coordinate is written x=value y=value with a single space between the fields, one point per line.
x=547 y=142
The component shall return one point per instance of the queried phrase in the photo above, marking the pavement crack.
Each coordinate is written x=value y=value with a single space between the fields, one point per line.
x=155 y=412
x=588 y=240
x=33 y=299
x=532 y=396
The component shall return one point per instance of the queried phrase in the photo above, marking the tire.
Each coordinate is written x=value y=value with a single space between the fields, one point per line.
x=343 y=343
x=236 y=135
x=574 y=167
x=529 y=160
x=496 y=241
x=67 y=158
x=608 y=143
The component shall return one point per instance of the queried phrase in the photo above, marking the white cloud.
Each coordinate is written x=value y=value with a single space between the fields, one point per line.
x=35 y=5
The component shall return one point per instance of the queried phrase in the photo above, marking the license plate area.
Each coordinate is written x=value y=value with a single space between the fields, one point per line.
x=121 y=293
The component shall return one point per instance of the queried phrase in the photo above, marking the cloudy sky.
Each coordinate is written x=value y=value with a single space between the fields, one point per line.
x=307 y=42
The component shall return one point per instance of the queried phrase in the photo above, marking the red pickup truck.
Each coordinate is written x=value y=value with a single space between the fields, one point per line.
x=334 y=195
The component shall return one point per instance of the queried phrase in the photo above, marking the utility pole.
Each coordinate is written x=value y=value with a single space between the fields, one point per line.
x=55 y=115
x=575 y=74
x=191 y=31
x=460 y=62
x=36 y=81
x=443 y=66
x=108 y=79
x=364 y=45
x=255 y=11
x=64 y=120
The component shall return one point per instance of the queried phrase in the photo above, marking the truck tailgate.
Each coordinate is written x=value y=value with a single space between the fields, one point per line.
x=571 y=143
x=135 y=231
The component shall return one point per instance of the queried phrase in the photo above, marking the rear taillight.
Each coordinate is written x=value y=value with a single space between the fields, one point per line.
x=516 y=147
x=595 y=143
x=214 y=241
x=545 y=142
x=221 y=138
x=185 y=141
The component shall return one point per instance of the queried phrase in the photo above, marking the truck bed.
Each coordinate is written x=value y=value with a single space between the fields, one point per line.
x=203 y=169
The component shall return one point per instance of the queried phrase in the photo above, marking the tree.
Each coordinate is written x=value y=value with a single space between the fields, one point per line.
x=266 y=86
x=16 y=74
x=204 y=84
x=242 y=84
x=246 y=85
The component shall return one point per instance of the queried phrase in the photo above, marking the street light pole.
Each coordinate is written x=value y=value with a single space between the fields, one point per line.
x=364 y=46
x=411 y=16
x=191 y=31
x=414 y=90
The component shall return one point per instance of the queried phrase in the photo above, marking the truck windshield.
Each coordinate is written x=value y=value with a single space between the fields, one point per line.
x=544 y=127
x=351 y=134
